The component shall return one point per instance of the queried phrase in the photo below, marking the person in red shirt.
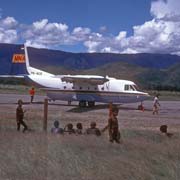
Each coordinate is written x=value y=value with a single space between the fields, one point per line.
x=32 y=93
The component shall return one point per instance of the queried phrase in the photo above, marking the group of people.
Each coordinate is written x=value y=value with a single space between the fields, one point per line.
x=69 y=129
x=112 y=126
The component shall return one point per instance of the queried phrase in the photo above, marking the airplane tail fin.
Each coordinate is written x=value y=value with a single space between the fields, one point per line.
x=20 y=66
x=32 y=70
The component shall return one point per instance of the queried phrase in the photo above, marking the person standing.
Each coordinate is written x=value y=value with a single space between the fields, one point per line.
x=20 y=116
x=113 y=127
x=156 y=104
x=32 y=93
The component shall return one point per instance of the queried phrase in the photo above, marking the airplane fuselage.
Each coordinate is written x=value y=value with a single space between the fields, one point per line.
x=114 y=90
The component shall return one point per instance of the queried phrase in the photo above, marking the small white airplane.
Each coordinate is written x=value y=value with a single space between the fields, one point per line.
x=86 y=89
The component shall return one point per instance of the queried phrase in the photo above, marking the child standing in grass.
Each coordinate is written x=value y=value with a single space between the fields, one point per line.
x=20 y=116
x=113 y=127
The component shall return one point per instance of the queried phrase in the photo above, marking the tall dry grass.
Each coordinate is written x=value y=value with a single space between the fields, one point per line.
x=144 y=154
x=40 y=156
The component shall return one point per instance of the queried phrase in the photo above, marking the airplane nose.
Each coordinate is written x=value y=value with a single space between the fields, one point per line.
x=143 y=96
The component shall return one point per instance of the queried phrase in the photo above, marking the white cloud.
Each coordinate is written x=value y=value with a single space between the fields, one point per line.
x=8 y=23
x=165 y=8
x=81 y=34
x=121 y=35
x=8 y=31
x=80 y=30
x=92 y=45
x=8 y=36
x=44 y=34
x=40 y=25
x=159 y=35
x=130 y=51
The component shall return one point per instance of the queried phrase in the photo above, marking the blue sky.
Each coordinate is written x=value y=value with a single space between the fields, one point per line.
x=115 y=14
x=118 y=26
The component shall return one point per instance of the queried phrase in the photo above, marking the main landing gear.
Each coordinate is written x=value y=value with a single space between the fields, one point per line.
x=86 y=104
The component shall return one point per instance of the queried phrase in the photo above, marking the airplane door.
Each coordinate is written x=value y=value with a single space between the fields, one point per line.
x=107 y=85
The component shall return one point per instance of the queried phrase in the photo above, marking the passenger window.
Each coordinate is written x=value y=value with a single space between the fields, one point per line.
x=126 y=87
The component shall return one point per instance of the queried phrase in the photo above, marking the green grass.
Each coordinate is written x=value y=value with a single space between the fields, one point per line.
x=17 y=89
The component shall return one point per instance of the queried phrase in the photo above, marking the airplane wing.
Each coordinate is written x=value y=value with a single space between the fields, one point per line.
x=12 y=76
x=94 y=80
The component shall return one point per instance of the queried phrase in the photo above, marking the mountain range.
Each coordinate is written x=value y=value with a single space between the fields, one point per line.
x=150 y=71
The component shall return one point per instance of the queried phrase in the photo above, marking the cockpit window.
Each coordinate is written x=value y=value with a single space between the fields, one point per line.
x=136 y=87
x=128 y=87
x=132 y=88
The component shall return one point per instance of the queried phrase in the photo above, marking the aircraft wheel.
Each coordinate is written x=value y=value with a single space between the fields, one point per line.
x=91 y=103
x=82 y=103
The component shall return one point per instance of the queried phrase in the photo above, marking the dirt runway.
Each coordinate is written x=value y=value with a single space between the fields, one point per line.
x=129 y=116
